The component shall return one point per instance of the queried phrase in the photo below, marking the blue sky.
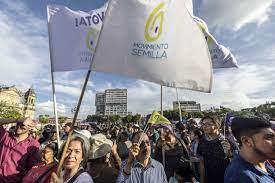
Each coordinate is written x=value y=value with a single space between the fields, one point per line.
x=246 y=27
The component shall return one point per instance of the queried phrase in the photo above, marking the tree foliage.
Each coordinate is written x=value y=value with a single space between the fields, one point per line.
x=44 y=119
x=9 y=112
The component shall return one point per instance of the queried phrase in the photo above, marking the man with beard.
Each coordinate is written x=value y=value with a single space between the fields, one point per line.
x=19 y=151
x=140 y=167
x=257 y=144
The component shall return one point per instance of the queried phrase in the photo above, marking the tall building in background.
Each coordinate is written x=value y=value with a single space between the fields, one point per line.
x=100 y=103
x=112 y=102
x=188 y=106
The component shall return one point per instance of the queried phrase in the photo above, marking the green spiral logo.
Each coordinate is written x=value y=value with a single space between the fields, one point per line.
x=153 y=27
x=91 y=39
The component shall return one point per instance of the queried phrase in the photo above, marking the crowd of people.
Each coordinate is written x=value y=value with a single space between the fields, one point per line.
x=204 y=152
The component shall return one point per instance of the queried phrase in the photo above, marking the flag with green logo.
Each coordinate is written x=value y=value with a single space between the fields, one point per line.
x=158 y=119
x=73 y=36
x=156 y=41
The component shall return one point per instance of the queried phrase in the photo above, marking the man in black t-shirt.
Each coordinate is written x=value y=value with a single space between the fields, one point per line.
x=173 y=154
x=214 y=151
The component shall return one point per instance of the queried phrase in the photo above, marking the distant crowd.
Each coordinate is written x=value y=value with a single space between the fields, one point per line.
x=189 y=151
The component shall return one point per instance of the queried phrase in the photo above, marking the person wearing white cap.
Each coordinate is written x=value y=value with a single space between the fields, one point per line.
x=99 y=160
x=84 y=133
x=136 y=128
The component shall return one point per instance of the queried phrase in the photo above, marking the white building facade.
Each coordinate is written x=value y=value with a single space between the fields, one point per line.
x=112 y=102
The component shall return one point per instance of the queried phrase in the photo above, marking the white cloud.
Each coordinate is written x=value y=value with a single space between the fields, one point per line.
x=234 y=88
x=234 y=13
x=25 y=61
x=23 y=48
x=47 y=108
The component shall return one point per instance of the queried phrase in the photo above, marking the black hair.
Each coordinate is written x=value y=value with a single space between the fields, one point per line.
x=248 y=127
x=53 y=146
x=180 y=126
x=185 y=170
x=135 y=134
x=198 y=132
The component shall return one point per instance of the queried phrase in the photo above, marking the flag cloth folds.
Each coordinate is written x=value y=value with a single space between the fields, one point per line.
x=73 y=36
x=156 y=41
x=221 y=57
x=157 y=119
x=228 y=119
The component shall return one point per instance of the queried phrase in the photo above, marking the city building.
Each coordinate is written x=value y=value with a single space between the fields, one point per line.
x=100 y=103
x=112 y=102
x=188 y=106
x=12 y=98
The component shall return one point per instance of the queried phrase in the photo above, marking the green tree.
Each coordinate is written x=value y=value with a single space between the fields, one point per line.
x=173 y=115
x=44 y=119
x=196 y=114
x=127 y=119
x=62 y=119
x=136 y=118
x=92 y=118
x=8 y=112
x=114 y=118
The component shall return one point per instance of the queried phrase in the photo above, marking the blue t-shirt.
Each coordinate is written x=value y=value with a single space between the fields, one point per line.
x=241 y=171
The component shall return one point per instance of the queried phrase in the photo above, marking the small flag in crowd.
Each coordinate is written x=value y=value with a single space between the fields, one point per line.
x=228 y=119
x=158 y=119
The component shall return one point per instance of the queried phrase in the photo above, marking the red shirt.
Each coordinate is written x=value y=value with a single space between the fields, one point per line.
x=16 y=158
x=40 y=171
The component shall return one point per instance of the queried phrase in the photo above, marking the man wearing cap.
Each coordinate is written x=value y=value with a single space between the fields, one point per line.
x=66 y=128
x=213 y=150
x=48 y=135
x=257 y=144
x=140 y=167
x=136 y=128
x=19 y=151
x=99 y=160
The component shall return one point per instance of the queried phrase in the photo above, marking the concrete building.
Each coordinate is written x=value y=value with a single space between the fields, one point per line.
x=100 y=103
x=112 y=102
x=188 y=106
x=12 y=98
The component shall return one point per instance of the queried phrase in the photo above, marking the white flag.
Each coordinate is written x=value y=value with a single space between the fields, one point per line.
x=73 y=36
x=156 y=41
x=221 y=57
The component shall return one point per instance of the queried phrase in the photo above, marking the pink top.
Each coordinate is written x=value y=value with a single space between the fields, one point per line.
x=16 y=158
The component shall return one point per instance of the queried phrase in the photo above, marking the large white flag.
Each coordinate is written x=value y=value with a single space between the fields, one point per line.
x=221 y=57
x=156 y=41
x=73 y=36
